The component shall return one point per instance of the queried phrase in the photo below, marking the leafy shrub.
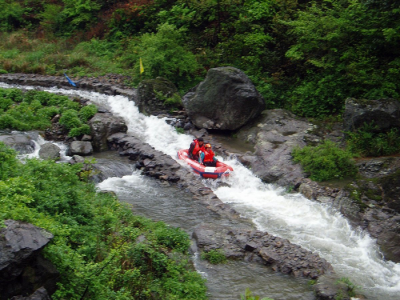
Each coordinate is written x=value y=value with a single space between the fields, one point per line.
x=37 y=108
x=95 y=245
x=163 y=55
x=172 y=238
x=24 y=117
x=15 y=95
x=5 y=103
x=8 y=162
x=319 y=95
x=366 y=141
x=175 y=100
x=87 y=112
x=214 y=257
x=49 y=99
x=48 y=112
x=78 y=131
x=6 y=121
x=70 y=119
x=325 y=162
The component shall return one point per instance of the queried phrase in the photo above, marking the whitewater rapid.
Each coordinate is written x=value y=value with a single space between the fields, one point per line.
x=314 y=226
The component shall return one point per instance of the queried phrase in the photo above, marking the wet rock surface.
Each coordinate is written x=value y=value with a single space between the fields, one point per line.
x=22 y=267
x=80 y=148
x=22 y=142
x=261 y=247
x=384 y=113
x=49 y=151
x=275 y=135
x=103 y=125
x=40 y=294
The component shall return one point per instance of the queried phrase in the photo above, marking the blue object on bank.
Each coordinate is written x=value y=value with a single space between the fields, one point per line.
x=70 y=81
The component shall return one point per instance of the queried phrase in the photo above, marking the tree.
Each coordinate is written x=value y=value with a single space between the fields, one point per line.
x=163 y=54
x=344 y=49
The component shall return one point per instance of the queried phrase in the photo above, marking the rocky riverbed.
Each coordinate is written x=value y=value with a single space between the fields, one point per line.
x=273 y=135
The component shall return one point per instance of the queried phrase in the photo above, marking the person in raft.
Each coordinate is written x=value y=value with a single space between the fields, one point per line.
x=207 y=157
x=195 y=147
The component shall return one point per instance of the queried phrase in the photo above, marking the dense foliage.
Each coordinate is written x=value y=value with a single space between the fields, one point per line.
x=100 y=248
x=368 y=141
x=325 y=161
x=306 y=56
x=214 y=256
x=248 y=295
x=35 y=109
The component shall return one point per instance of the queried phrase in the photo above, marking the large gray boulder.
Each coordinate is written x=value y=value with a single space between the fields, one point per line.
x=384 y=113
x=22 y=267
x=225 y=100
x=49 y=151
x=155 y=95
x=102 y=126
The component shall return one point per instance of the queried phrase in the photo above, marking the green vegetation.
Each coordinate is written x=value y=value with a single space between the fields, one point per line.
x=306 y=56
x=248 y=295
x=100 y=248
x=350 y=288
x=35 y=109
x=214 y=256
x=366 y=141
x=179 y=130
x=174 y=100
x=163 y=55
x=312 y=282
x=325 y=161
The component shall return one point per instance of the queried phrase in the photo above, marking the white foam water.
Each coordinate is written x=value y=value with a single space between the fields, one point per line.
x=314 y=226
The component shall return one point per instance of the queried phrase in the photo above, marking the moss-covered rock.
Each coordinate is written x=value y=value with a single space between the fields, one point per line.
x=157 y=95
x=384 y=113
x=391 y=187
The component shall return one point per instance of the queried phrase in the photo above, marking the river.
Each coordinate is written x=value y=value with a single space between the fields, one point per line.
x=314 y=226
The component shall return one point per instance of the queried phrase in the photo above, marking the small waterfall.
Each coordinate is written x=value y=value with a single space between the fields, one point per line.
x=314 y=226
x=38 y=144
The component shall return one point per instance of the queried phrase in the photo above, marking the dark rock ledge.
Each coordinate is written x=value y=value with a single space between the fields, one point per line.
x=108 y=86
x=242 y=242
x=23 y=270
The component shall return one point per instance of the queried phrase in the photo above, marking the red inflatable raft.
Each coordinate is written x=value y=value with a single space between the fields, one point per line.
x=206 y=172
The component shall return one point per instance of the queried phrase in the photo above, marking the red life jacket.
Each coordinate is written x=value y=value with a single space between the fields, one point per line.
x=197 y=148
x=208 y=155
